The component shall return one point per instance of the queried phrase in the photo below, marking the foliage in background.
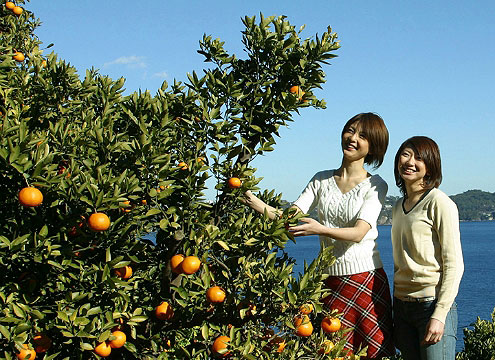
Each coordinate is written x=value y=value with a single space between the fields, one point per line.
x=479 y=342
x=144 y=162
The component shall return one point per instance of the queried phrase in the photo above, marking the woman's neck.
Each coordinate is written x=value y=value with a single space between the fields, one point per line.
x=353 y=169
x=414 y=192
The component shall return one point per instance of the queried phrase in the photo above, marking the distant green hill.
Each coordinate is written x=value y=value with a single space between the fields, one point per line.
x=473 y=205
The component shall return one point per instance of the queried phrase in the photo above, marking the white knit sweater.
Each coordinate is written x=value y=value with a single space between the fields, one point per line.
x=338 y=210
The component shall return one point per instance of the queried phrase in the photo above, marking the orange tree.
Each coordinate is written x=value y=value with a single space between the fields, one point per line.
x=81 y=272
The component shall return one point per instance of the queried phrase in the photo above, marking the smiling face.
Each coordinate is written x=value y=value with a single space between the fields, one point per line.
x=355 y=145
x=418 y=158
x=411 y=167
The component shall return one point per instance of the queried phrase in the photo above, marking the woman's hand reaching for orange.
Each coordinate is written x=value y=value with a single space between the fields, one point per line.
x=311 y=227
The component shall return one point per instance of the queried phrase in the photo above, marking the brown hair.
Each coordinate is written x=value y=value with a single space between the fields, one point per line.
x=376 y=133
x=429 y=152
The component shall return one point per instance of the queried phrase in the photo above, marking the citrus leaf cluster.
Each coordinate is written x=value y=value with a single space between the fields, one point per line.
x=123 y=181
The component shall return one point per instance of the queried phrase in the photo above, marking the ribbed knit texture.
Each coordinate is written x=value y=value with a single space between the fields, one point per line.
x=338 y=210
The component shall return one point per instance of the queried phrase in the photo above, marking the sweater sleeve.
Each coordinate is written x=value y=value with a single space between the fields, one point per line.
x=373 y=201
x=446 y=224
x=309 y=197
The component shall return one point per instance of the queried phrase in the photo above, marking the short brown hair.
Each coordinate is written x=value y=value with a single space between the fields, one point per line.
x=429 y=152
x=376 y=133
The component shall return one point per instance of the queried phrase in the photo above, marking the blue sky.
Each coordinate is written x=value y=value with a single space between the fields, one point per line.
x=425 y=66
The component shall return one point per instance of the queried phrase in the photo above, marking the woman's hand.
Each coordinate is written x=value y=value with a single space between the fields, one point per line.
x=312 y=227
x=247 y=198
x=434 y=332
x=258 y=205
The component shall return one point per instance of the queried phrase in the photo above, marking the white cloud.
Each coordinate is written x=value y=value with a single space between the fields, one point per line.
x=132 y=61
x=161 y=74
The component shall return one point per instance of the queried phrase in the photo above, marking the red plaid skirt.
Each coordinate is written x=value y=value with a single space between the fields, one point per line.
x=365 y=303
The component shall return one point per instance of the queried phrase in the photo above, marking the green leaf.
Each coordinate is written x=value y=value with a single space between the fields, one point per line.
x=223 y=244
x=5 y=332
x=204 y=331
x=138 y=319
x=63 y=316
x=292 y=297
x=304 y=282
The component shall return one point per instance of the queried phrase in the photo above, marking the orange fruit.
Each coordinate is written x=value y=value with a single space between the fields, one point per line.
x=103 y=349
x=9 y=5
x=215 y=294
x=144 y=202
x=126 y=209
x=326 y=347
x=306 y=309
x=190 y=265
x=43 y=63
x=234 y=183
x=41 y=343
x=294 y=89
x=280 y=342
x=17 y=10
x=18 y=56
x=119 y=340
x=183 y=165
x=25 y=352
x=175 y=263
x=30 y=196
x=98 y=222
x=330 y=324
x=124 y=272
x=219 y=346
x=300 y=319
x=164 y=311
x=305 y=329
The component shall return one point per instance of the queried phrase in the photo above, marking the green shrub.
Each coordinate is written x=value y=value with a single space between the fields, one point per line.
x=479 y=343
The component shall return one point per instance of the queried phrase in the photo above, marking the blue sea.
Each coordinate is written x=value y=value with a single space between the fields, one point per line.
x=477 y=291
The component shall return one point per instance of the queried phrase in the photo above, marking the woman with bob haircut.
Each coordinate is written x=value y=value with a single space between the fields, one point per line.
x=428 y=263
x=348 y=201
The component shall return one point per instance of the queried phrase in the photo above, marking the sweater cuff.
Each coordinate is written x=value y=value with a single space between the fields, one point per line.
x=440 y=314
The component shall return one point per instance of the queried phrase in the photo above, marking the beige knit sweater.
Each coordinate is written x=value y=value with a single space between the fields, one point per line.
x=427 y=251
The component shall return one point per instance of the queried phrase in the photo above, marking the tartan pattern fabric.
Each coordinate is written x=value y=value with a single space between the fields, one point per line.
x=365 y=303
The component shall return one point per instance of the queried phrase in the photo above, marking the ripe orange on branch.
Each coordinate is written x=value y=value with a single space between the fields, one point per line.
x=219 y=346
x=305 y=329
x=330 y=324
x=303 y=325
x=17 y=10
x=30 y=196
x=98 y=222
x=124 y=272
x=175 y=263
x=103 y=349
x=119 y=341
x=164 y=311
x=215 y=294
x=25 y=352
x=190 y=265
x=326 y=347
x=306 y=309
x=183 y=165
x=234 y=183
x=9 y=5
x=294 y=89
x=18 y=56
